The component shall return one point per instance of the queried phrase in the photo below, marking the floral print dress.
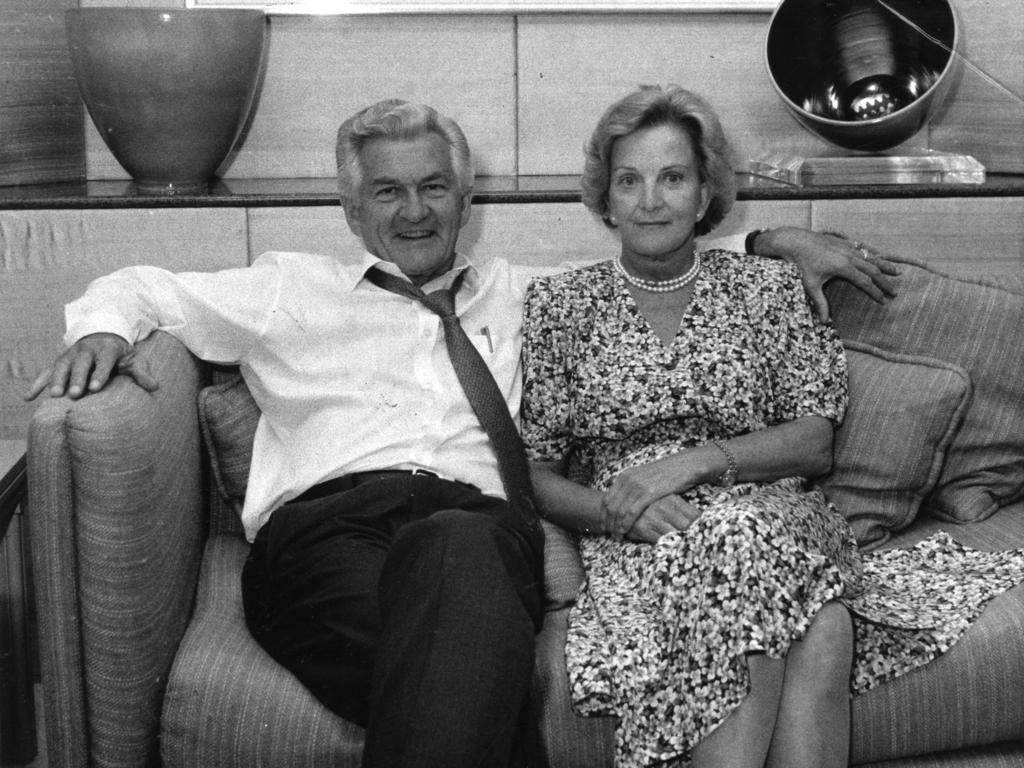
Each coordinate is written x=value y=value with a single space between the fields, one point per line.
x=659 y=633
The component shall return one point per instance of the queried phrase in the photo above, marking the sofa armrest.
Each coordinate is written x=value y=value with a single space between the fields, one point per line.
x=568 y=740
x=116 y=514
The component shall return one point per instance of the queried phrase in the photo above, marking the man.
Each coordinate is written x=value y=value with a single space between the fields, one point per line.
x=394 y=568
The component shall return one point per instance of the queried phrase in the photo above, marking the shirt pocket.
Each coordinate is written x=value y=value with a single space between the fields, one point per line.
x=496 y=342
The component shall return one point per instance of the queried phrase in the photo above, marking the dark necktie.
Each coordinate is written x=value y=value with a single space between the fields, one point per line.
x=483 y=394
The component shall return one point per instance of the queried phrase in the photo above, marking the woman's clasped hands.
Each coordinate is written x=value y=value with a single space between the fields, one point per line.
x=643 y=502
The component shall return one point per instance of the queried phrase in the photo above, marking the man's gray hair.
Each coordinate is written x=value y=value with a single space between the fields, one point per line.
x=397 y=120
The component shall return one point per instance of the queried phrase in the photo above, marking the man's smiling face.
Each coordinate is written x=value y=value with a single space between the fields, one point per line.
x=409 y=206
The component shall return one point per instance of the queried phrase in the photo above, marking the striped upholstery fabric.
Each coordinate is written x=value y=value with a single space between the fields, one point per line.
x=1002 y=530
x=228 y=704
x=228 y=417
x=563 y=568
x=996 y=756
x=977 y=327
x=116 y=529
x=879 y=484
x=571 y=741
x=969 y=696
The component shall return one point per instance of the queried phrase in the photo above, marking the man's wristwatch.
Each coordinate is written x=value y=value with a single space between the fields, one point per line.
x=751 y=240
x=728 y=478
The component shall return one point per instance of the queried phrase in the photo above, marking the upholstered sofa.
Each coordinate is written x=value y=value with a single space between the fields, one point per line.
x=137 y=552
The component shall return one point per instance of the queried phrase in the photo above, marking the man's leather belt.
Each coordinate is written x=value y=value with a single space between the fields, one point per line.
x=350 y=481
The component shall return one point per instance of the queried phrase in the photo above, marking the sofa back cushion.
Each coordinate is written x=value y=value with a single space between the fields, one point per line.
x=878 y=483
x=228 y=416
x=977 y=327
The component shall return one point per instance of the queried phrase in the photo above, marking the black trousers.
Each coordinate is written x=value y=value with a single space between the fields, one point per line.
x=406 y=604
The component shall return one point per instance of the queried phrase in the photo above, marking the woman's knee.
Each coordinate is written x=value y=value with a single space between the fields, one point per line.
x=833 y=628
x=825 y=654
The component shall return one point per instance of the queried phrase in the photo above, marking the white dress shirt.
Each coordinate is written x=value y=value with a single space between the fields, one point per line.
x=349 y=377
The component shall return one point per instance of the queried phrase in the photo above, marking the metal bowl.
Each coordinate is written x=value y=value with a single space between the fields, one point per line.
x=862 y=74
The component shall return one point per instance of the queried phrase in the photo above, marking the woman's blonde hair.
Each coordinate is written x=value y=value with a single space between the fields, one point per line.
x=651 y=106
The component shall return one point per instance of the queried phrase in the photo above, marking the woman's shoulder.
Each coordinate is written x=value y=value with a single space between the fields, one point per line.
x=578 y=281
x=757 y=273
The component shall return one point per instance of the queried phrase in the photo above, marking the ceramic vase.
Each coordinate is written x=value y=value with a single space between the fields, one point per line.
x=169 y=89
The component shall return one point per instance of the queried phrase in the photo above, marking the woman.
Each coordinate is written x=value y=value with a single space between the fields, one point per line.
x=697 y=393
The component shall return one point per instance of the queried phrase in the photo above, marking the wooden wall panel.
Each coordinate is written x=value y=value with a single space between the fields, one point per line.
x=546 y=234
x=549 y=234
x=984 y=114
x=48 y=257
x=526 y=233
x=572 y=68
x=747 y=215
x=41 y=131
x=321 y=69
x=312 y=229
x=538 y=233
x=968 y=236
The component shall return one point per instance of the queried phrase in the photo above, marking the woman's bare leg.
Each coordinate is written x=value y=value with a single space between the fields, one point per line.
x=744 y=738
x=813 y=726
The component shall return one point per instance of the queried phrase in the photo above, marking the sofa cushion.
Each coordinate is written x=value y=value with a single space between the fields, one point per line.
x=976 y=326
x=904 y=411
x=968 y=696
x=228 y=416
x=1003 y=530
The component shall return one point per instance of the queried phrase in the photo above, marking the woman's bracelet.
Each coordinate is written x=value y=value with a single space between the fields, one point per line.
x=728 y=478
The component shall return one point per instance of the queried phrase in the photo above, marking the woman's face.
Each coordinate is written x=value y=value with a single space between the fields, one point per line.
x=655 y=195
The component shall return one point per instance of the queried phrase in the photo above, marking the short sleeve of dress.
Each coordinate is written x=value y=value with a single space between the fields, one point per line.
x=546 y=407
x=809 y=372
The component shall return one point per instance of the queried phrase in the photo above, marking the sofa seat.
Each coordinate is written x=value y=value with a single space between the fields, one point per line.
x=948 y=711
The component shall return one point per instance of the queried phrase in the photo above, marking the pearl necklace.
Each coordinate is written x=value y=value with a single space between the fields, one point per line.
x=660 y=286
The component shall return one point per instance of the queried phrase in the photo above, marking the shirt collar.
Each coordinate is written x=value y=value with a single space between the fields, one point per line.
x=461 y=263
